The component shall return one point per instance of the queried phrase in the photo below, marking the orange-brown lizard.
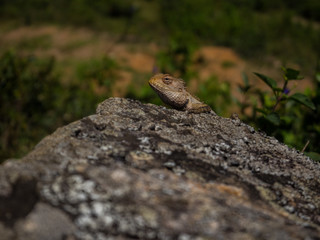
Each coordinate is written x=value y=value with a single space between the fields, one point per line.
x=173 y=92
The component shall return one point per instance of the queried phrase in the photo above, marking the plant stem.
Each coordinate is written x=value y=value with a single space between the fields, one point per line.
x=280 y=96
x=305 y=146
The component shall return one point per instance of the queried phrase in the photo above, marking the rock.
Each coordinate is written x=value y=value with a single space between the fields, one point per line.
x=140 y=171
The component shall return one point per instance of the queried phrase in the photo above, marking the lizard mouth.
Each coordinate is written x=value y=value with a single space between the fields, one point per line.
x=154 y=84
x=152 y=81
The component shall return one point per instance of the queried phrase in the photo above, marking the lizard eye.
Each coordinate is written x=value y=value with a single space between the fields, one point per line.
x=166 y=80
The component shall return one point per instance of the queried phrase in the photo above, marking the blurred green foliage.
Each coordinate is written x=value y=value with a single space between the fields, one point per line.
x=73 y=12
x=29 y=101
x=34 y=102
x=177 y=57
x=139 y=89
x=285 y=29
x=251 y=27
x=216 y=94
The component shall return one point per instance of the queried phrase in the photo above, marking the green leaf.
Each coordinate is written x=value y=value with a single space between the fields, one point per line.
x=313 y=155
x=291 y=74
x=261 y=110
x=245 y=79
x=288 y=120
x=269 y=81
x=303 y=99
x=244 y=89
x=278 y=89
x=273 y=118
x=318 y=77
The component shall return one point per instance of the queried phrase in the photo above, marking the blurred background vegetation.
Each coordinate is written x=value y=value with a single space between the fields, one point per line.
x=59 y=59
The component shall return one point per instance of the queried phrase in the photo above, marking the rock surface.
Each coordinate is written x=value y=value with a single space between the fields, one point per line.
x=140 y=171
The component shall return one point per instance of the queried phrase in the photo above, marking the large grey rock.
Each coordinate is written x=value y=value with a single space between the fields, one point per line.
x=140 y=171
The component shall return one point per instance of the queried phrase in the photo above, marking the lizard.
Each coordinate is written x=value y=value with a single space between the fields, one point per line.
x=173 y=92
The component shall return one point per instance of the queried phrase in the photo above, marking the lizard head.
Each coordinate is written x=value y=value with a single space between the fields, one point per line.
x=171 y=90
x=166 y=82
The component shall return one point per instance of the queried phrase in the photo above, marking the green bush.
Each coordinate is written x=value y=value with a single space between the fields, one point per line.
x=216 y=94
x=34 y=102
x=291 y=118
x=139 y=89
x=95 y=14
x=29 y=93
